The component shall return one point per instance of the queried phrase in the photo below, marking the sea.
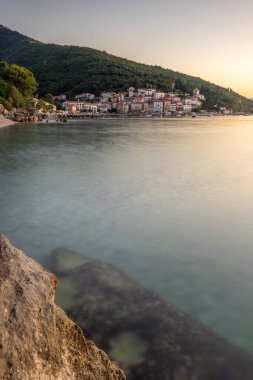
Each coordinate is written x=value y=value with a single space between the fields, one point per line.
x=168 y=201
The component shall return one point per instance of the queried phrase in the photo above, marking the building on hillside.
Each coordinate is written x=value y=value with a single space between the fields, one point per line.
x=131 y=92
x=104 y=107
x=193 y=101
x=45 y=106
x=146 y=92
x=89 y=107
x=62 y=97
x=146 y=107
x=122 y=107
x=147 y=98
x=187 y=108
x=159 y=95
x=225 y=111
x=158 y=106
x=180 y=106
x=107 y=96
x=176 y=99
x=85 y=96
x=196 y=92
x=136 y=107
x=171 y=108
x=166 y=106
x=150 y=91
x=72 y=106
x=141 y=91
x=120 y=97
x=149 y=107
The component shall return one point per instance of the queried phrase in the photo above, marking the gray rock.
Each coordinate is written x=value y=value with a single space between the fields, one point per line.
x=149 y=337
x=37 y=340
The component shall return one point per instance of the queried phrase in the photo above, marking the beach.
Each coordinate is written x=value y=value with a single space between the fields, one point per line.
x=6 y=122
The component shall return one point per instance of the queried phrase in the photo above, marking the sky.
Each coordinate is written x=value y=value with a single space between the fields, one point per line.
x=208 y=39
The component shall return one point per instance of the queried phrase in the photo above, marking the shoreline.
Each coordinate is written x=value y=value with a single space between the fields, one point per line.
x=6 y=122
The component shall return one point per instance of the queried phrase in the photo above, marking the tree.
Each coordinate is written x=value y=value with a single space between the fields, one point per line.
x=4 y=88
x=48 y=98
x=19 y=77
x=15 y=97
x=113 y=110
x=5 y=103
x=17 y=85
x=41 y=105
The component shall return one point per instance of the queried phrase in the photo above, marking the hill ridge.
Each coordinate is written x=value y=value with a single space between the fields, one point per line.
x=73 y=69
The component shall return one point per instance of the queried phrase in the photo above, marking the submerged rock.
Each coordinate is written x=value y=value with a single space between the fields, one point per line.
x=150 y=338
x=37 y=340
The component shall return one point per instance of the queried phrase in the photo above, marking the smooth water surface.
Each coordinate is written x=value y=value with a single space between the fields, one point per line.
x=168 y=201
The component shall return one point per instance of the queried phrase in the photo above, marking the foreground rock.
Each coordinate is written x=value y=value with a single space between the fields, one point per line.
x=150 y=338
x=37 y=340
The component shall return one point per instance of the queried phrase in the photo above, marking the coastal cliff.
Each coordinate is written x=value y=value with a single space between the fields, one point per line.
x=37 y=339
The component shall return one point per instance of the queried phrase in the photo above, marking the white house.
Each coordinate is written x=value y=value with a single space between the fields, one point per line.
x=196 y=92
x=159 y=95
x=158 y=106
x=60 y=97
x=85 y=95
x=131 y=92
x=77 y=106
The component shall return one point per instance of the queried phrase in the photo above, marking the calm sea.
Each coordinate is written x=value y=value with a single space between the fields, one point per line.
x=168 y=201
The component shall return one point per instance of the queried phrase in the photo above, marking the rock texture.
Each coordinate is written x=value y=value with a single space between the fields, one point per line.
x=150 y=338
x=37 y=340
x=26 y=116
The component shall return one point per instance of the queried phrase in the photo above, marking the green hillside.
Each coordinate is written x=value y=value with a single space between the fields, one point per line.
x=17 y=85
x=73 y=69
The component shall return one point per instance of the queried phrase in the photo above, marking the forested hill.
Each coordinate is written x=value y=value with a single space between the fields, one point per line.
x=73 y=69
x=17 y=86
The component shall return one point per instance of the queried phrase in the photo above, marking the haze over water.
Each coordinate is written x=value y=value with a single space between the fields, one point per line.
x=167 y=201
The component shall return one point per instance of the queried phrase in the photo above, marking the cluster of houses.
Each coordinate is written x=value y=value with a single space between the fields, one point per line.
x=147 y=101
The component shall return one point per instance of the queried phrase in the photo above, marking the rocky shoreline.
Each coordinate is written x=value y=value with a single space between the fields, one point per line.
x=37 y=339
x=21 y=115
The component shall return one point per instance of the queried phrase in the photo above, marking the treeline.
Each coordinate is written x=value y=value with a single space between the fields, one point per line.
x=17 y=85
x=72 y=69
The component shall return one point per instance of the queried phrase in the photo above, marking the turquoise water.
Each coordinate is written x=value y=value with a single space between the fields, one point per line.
x=168 y=201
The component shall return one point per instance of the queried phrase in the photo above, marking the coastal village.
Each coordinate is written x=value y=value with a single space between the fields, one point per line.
x=141 y=102
x=134 y=102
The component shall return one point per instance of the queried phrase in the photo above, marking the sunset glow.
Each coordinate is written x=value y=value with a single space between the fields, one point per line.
x=206 y=39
